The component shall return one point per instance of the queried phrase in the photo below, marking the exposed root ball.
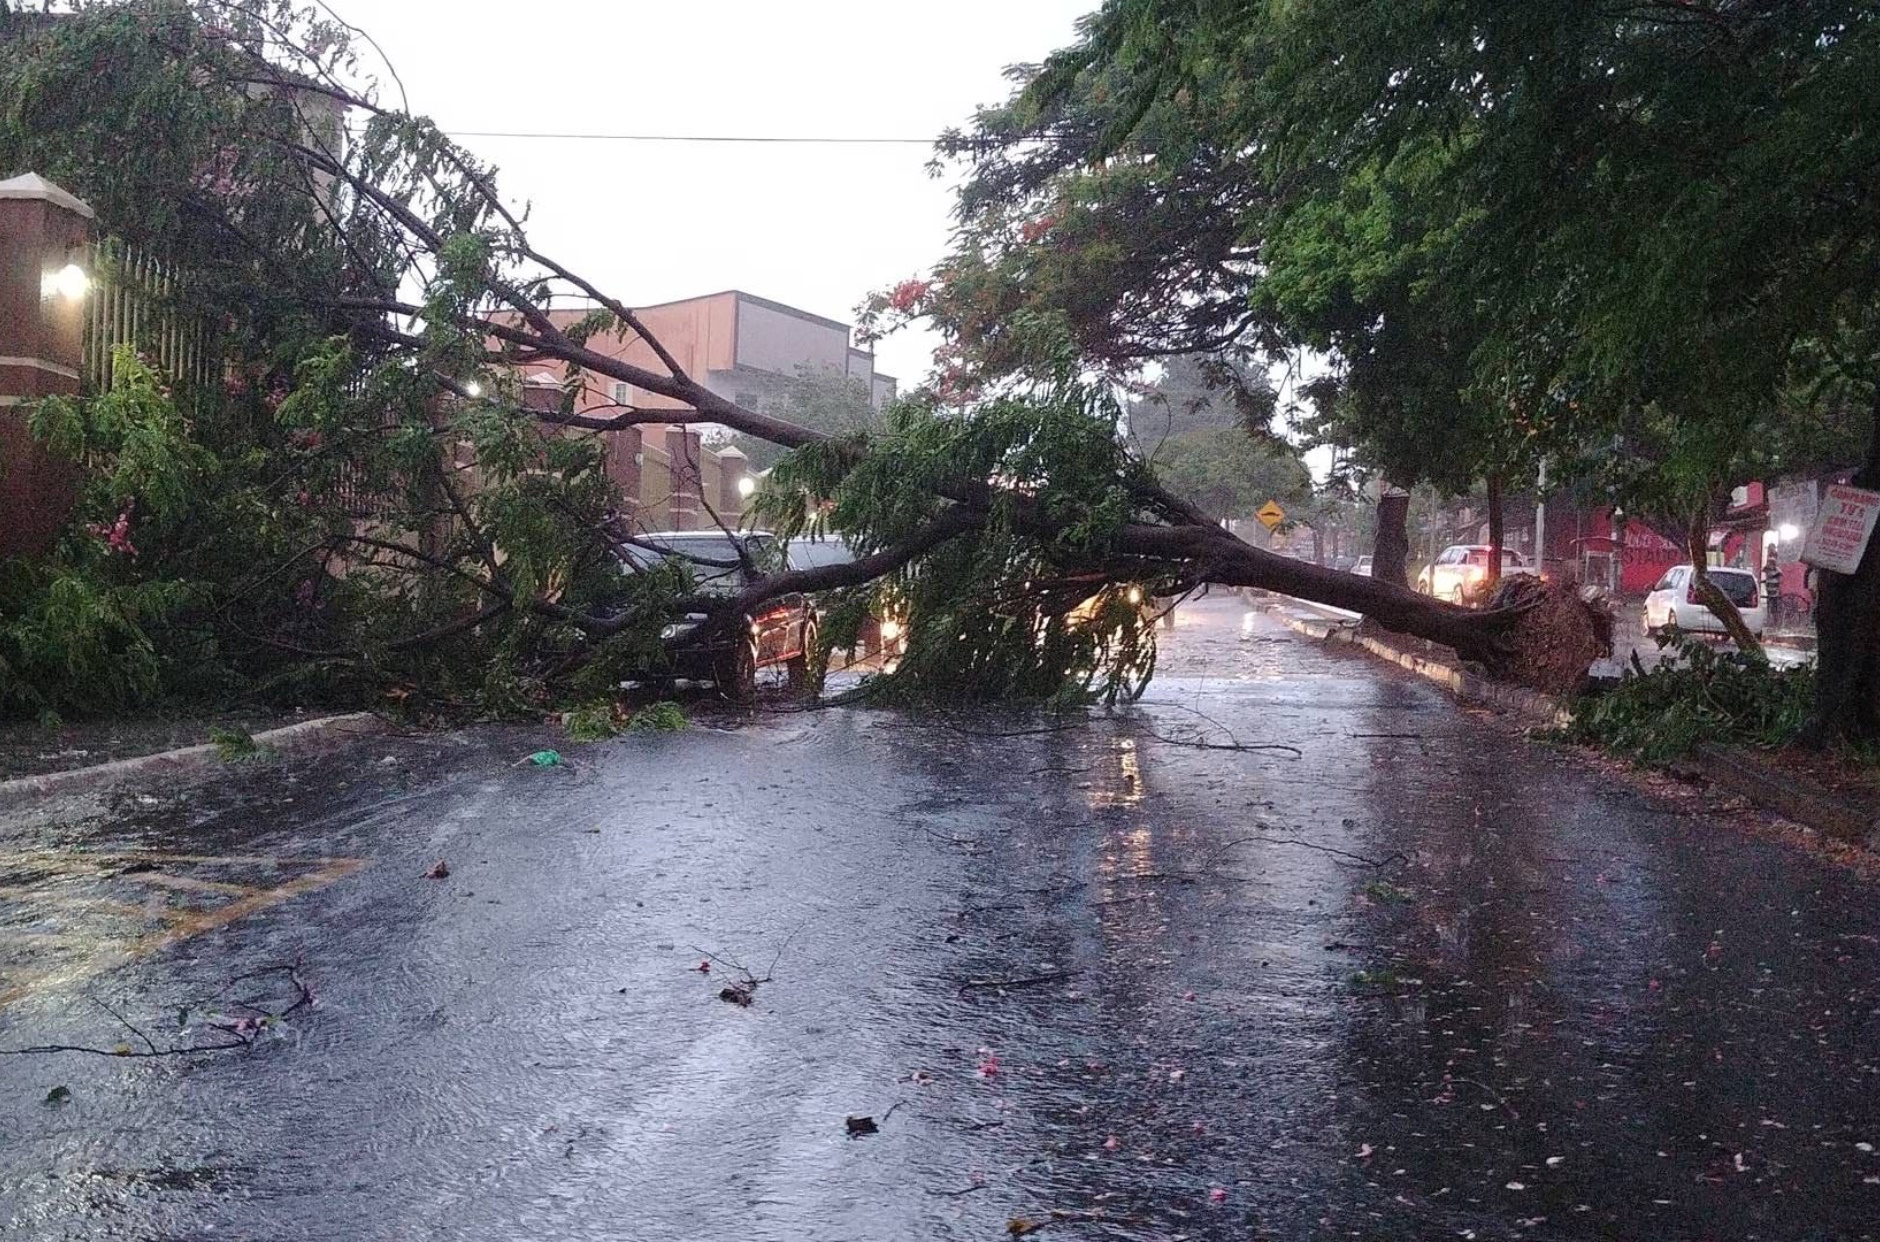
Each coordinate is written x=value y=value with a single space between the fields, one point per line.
x=1556 y=636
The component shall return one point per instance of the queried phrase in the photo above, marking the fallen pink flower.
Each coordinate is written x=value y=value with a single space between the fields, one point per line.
x=703 y=968
x=1112 y=1143
x=1218 y=1194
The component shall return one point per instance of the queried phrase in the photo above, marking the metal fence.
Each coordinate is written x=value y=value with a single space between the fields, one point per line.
x=133 y=302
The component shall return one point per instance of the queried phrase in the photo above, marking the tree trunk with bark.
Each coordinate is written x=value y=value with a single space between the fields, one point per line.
x=1492 y=578
x=1390 y=551
x=1847 y=636
x=1709 y=594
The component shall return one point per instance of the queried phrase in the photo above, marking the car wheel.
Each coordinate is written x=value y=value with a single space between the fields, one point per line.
x=806 y=668
x=736 y=673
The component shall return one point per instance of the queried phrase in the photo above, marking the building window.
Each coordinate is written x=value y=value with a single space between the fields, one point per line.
x=623 y=393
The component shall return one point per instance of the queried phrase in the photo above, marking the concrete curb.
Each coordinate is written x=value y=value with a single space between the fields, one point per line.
x=1736 y=769
x=191 y=762
x=1461 y=682
x=1744 y=772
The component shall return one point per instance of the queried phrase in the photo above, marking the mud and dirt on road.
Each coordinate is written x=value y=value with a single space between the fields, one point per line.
x=1410 y=978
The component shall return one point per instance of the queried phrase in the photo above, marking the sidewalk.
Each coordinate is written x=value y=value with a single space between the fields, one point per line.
x=109 y=754
x=1835 y=797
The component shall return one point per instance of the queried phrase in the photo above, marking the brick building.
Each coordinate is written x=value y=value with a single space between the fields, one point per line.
x=745 y=348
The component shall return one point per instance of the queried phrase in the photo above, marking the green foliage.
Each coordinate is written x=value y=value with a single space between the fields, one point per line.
x=1696 y=695
x=661 y=717
x=1229 y=474
x=816 y=397
x=592 y=722
x=1010 y=612
x=316 y=523
x=72 y=645
x=234 y=745
x=1386 y=892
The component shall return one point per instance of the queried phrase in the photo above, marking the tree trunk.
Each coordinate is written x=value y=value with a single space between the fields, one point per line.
x=1390 y=551
x=1710 y=594
x=1492 y=578
x=1847 y=636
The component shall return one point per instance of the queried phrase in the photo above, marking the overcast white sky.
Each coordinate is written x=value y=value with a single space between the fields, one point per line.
x=818 y=227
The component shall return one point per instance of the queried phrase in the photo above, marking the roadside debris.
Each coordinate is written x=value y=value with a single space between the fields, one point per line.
x=439 y=870
x=859 y=1126
x=236 y=1023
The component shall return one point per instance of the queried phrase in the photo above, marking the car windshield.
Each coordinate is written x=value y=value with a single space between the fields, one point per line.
x=814 y=553
x=713 y=558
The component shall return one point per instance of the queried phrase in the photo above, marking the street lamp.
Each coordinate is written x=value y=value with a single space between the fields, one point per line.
x=473 y=390
x=746 y=485
x=1788 y=532
x=70 y=282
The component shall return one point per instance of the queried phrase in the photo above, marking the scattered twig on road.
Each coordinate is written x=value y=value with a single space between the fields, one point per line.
x=995 y=734
x=1024 y=982
x=241 y=1032
x=1243 y=747
x=128 y=1024
x=1499 y=1098
x=1374 y=864
x=742 y=991
x=954 y=1194
x=1020 y=1226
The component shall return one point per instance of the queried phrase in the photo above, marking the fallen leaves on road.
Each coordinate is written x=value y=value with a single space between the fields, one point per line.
x=1020 y=1226
x=439 y=870
x=58 y=1096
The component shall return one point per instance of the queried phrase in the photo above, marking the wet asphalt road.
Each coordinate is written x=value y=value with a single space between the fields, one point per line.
x=1419 y=980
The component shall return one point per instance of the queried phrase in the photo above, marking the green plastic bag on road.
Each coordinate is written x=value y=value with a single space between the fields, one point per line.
x=546 y=759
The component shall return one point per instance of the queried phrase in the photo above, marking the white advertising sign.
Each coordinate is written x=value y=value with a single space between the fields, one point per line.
x=1843 y=525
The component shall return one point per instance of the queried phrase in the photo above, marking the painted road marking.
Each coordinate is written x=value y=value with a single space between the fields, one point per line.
x=83 y=896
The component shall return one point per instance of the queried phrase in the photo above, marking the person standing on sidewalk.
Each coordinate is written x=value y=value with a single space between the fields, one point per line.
x=1772 y=580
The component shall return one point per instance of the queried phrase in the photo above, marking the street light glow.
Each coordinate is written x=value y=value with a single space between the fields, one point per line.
x=473 y=389
x=1788 y=532
x=70 y=282
x=746 y=485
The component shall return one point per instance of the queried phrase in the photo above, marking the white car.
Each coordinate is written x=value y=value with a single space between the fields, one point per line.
x=1363 y=567
x=1673 y=602
x=1460 y=573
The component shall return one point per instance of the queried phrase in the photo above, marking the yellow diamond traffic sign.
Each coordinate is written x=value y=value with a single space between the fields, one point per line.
x=1270 y=514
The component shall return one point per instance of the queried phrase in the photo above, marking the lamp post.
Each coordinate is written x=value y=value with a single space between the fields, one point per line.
x=43 y=286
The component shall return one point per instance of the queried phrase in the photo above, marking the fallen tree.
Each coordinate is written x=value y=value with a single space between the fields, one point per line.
x=417 y=299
